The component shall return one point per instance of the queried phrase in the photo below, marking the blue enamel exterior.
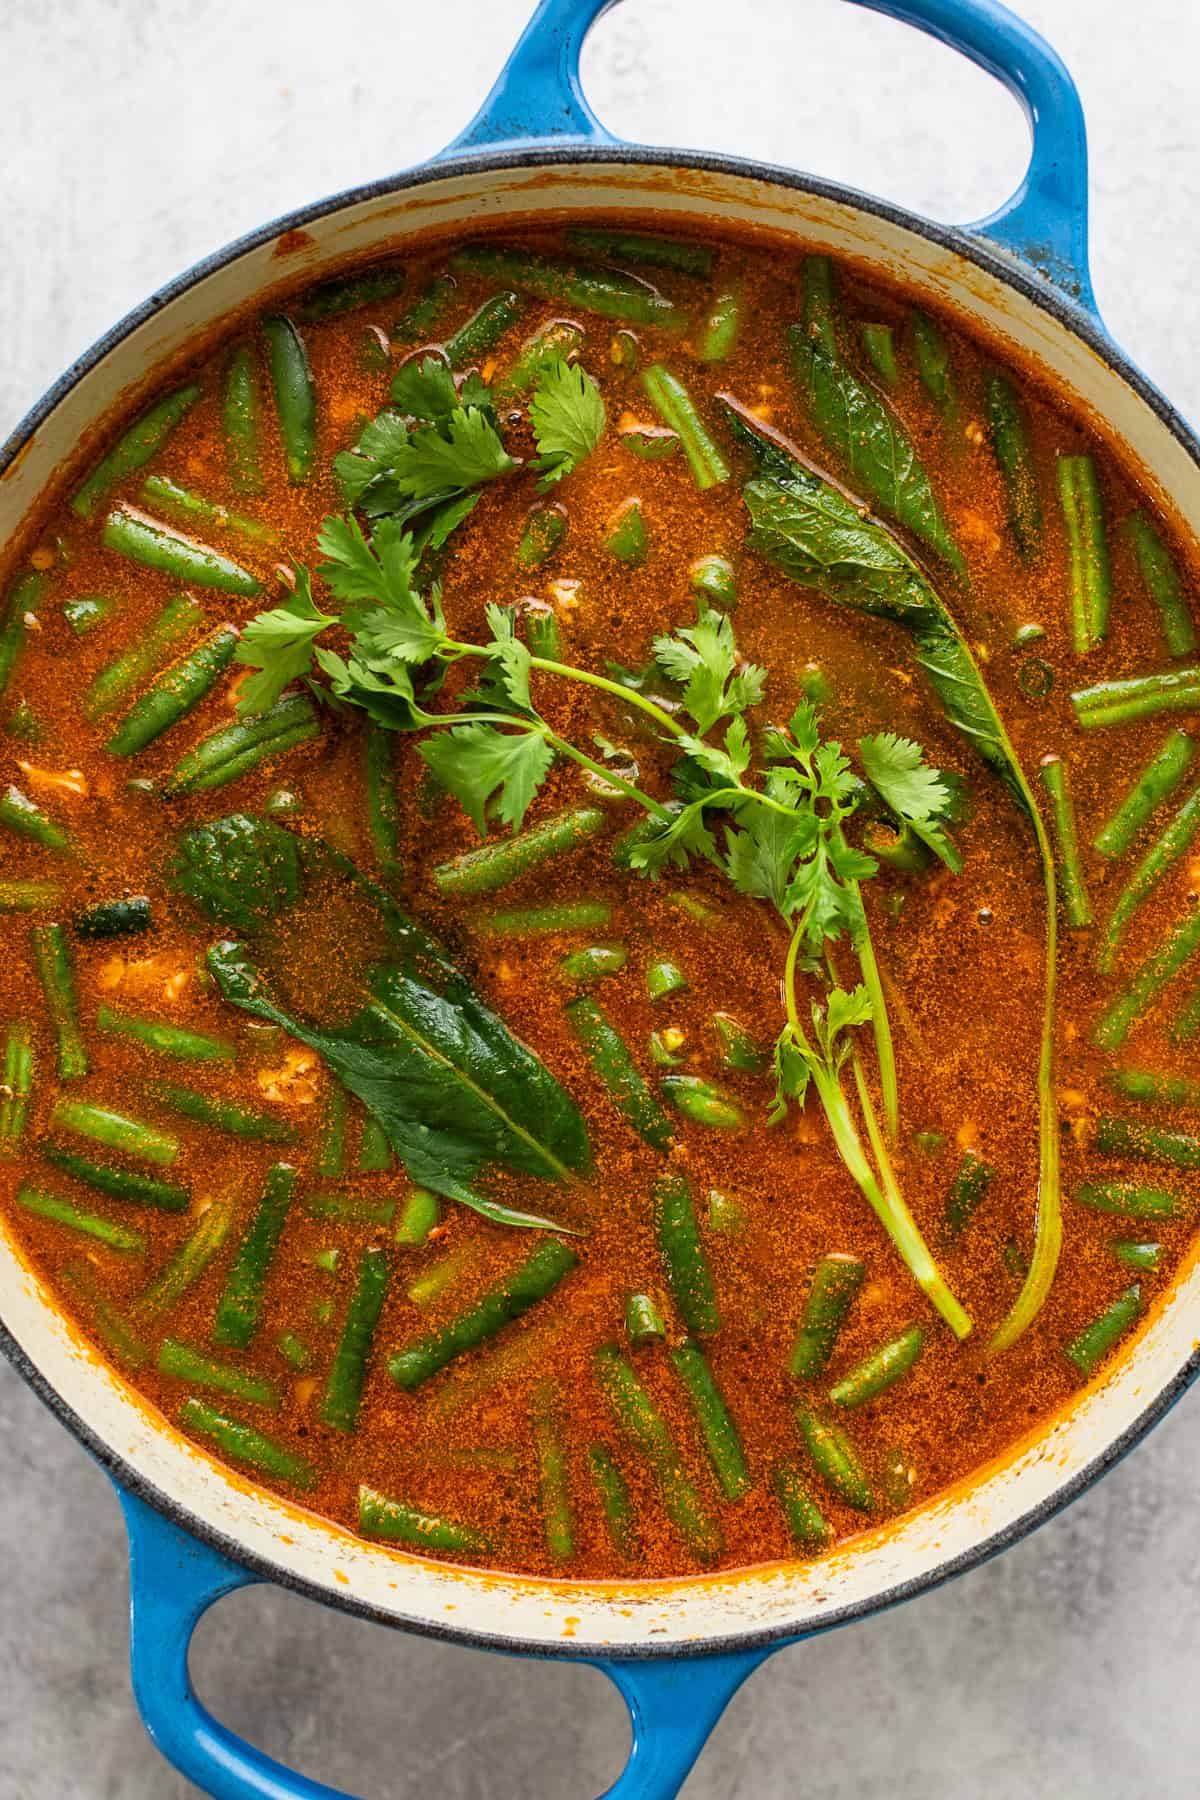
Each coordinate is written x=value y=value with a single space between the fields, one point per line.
x=537 y=102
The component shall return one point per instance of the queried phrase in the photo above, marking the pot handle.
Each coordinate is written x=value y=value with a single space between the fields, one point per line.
x=174 y=1579
x=537 y=99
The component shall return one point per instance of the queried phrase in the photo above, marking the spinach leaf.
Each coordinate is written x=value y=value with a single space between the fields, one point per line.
x=240 y=871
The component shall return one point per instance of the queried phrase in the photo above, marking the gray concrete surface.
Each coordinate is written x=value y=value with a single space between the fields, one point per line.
x=136 y=135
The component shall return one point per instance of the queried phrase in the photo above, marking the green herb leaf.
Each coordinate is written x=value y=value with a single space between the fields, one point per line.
x=426 y=389
x=279 y=644
x=916 y=793
x=489 y=770
x=702 y=658
x=567 y=415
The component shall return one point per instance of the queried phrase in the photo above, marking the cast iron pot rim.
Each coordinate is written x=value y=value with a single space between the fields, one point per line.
x=1047 y=299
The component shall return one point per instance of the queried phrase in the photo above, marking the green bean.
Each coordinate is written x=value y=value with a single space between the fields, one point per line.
x=836 y=1460
x=422 y=1210
x=1088 y=1349
x=175 y=693
x=1014 y=455
x=74 y=1218
x=684 y=1257
x=674 y=405
x=184 y=1363
x=1165 y=851
x=28 y=896
x=109 y=1320
x=931 y=353
x=609 y=1056
x=171 y=1040
x=638 y=1416
x=553 y=1488
x=898 y=1479
x=123 y=1184
x=1077 y=907
x=602 y=291
x=642 y=247
x=528 y=1283
x=116 y=1131
x=1091 y=578
x=144 y=654
x=836 y=1281
x=1148 y=1143
x=185 y=503
x=713 y=579
x=351 y=1209
x=435 y=1280
x=346 y=293
x=1154 y=1089
x=222 y=1115
x=818 y=315
x=560 y=338
x=1129 y=1200
x=293 y=1350
x=1138 y=697
x=240 y=1308
x=880 y=346
x=331 y=1143
x=235 y=749
x=649 y=443
x=716 y=335
x=724 y=1212
x=1119 y=1017
x=374 y=1148
x=17 y=1087
x=421 y=317
x=135 y=448
x=806 y=1523
x=23 y=816
x=736 y=1048
x=1186 y=1023
x=52 y=958
x=1145 y=1257
x=241 y=1443
x=880 y=1370
x=665 y=1047
x=664 y=977
x=626 y=536
x=721 y=1437
x=1027 y=634
x=1162 y=583
x=643 y=1321
x=967 y=1190
x=616 y=1505
x=484 y=329
x=115 y=918
x=83 y=612
x=495 y=864
x=383 y=1518
x=145 y=540
x=348 y=1372
x=188 y=1263
x=295 y=395
x=1156 y=783
x=702 y=1102
x=241 y=422
x=327 y=1260
x=544 y=530
x=382 y=801
x=595 y=963
x=22 y=600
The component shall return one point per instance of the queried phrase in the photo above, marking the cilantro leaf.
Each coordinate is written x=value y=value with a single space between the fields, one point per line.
x=386 y=695
x=568 y=417
x=489 y=771
x=511 y=655
x=279 y=644
x=440 y=461
x=918 y=795
x=702 y=658
x=674 y=841
x=425 y=389
x=400 y=623
x=761 y=851
x=373 y=457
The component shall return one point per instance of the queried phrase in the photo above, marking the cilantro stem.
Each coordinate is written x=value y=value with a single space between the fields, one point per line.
x=885 y=1049
x=626 y=694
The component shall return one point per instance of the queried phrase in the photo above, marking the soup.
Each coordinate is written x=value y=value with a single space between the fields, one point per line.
x=600 y=902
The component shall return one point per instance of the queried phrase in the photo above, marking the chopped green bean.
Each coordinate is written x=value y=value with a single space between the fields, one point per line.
x=22 y=815
x=136 y=535
x=380 y=1517
x=435 y=1280
x=663 y=978
x=28 y=896
x=20 y=603
x=736 y=1048
x=184 y=1363
x=382 y=801
x=295 y=395
x=609 y=1056
x=241 y=1443
x=188 y=1263
x=1154 y=1089
x=175 y=693
x=835 y=1284
x=171 y=1040
x=544 y=530
x=222 y=1115
x=836 y=1460
x=880 y=346
x=145 y=653
x=595 y=963
x=616 y=1504
x=495 y=864
x=1148 y=1143
x=116 y=1131
x=666 y=1047
x=185 y=503
x=65 y=1212
x=642 y=247
x=721 y=1437
x=132 y=451
x=684 y=1257
x=713 y=579
x=241 y=422
x=1144 y=986
x=643 y=1321
x=1186 y=1023
x=716 y=335
x=109 y=1320
x=17 y=1086
x=537 y=921
x=374 y=1148
x=115 y=918
x=640 y=1419
x=419 y=321
x=1162 y=583
x=240 y=1308
x=602 y=291
x=346 y=293
x=1014 y=455
x=123 y=1184
x=553 y=1489
x=348 y=1373
x=1156 y=783
x=880 y=1370
x=1091 y=578
x=807 y=1525
x=702 y=1102
x=626 y=536
x=1088 y=1349
x=351 y=1209
x=235 y=749
x=677 y=410
x=1145 y=1257
x=1137 y=697
x=52 y=958
x=1164 y=852
x=293 y=1350
x=724 y=1212
x=931 y=353
x=331 y=1143
x=484 y=329
x=649 y=443
x=420 y=1214
x=967 y=1190
x=530 y=1282
x=1077 y=908
x=1129 y=1200
x=559 y=339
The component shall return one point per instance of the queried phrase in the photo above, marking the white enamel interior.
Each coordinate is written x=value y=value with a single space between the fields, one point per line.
x=646 y=1616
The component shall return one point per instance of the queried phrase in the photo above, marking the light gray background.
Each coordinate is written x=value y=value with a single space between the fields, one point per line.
x=136 y=136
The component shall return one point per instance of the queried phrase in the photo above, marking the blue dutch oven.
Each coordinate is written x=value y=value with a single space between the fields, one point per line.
x=679 y=1649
